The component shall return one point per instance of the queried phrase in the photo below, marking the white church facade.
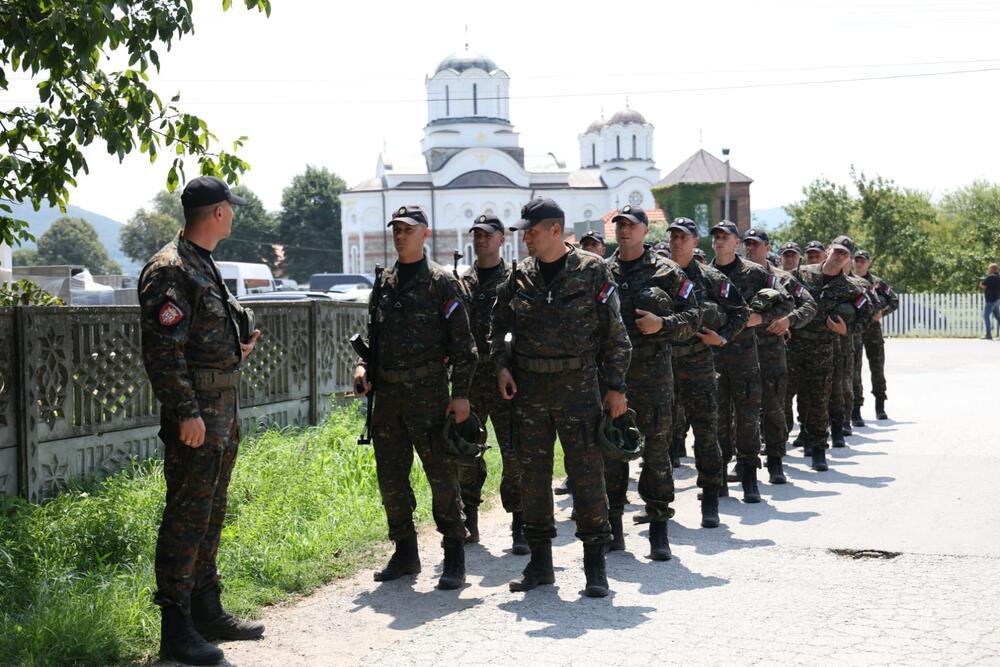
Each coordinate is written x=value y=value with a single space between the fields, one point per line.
x=472 y=163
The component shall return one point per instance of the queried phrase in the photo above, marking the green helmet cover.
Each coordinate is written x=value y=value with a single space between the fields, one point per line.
x=654 y=300
x=765 y=299
x=620 y=438
x=713 y=316
x=465 y=440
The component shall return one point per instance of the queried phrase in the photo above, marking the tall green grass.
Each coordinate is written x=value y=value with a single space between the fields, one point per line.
x=76 y=573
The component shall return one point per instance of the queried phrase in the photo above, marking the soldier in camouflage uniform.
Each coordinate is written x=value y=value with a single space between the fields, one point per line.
x=562 y=310
x=871 y=341
x=479 y=285
x=637 y=269
x=192 y=349
x=771 y=351
x=815 y=254
x=738 y=364
x=790 y=254
x=423 y=327
x=695 y=384
x=811 y=349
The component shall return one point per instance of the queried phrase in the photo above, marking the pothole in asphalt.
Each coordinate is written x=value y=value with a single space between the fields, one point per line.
x=858 y=554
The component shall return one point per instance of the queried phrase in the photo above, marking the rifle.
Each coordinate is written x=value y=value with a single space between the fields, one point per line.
x=368 y=353
x=455 y=256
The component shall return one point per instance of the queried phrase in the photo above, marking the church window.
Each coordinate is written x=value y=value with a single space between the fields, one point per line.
x=593 y=155
x=475 y=100
x=635 y=198
x=588 y=214
x=618 y=147
x=634 y=155
x=468 y=213
x=355 y=259
x=447 y=101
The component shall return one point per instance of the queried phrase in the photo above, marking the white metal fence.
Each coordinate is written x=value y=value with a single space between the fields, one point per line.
x=942 y=315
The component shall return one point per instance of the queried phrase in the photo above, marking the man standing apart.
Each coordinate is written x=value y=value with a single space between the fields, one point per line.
x=562 y=308
x=771 y=351
x=738 y=364
x=990 y=285
x=872 y=342
x=423 y=328
x=479 y=285
x=643 y=276
x=695 y=383
x=192 y=348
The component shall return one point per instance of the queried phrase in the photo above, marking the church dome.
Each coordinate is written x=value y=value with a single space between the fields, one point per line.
x=595 y=127
x=463 y=60
x=627 y=117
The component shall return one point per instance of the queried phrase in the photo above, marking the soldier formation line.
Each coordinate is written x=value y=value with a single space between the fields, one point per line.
x=616 y=358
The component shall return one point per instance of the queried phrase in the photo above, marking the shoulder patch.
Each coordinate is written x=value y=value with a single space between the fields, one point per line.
x=605 y=293
x=772 y=280
x=860 y=301
x=724 y=288
x=686 y=288
x=797 y=291
x=170 y=314
x=449 y=307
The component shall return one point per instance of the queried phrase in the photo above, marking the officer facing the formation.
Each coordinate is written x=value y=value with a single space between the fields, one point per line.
x=724 y=315
x=479 y=286
x=771 y=350
x=811 y=349
x=195 y=337
x=871 y=341
x=658 y=307
x=422 y=328
x=562 y=312
x=738 y=364
x=593 y=242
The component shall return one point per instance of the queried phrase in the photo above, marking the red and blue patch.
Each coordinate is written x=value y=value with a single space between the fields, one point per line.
x=605 y=293
x=860 y=301
x=686 y=287
x=798 y=290
x=772 y=280
x=724 y=288
x=170 y=314
x=450 y=306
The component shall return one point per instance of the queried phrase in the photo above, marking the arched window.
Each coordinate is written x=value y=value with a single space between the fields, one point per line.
x=633 y=147
x=447 y=101
x=475 y=100
x=355 y=259
x=593 y=155
x=618 y=147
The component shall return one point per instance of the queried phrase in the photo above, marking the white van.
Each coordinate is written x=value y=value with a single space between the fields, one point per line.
x=245 y=278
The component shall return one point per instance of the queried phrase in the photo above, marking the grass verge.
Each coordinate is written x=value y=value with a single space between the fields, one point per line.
x=76 y=573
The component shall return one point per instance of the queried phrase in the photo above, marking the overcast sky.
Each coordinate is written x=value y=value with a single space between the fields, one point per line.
x=329 y=84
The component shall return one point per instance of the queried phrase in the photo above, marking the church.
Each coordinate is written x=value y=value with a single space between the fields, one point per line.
x=472 y=163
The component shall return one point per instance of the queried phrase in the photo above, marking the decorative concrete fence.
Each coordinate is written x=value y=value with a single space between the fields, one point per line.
x=937 y=315
x=75 y=401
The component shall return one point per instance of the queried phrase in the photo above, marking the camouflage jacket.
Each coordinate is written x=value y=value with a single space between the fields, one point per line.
x=831 y=294
x=888 y=300
x=750 y=278
x=710 y=284
x=804 y=305
x=424 y=322
x=576 y=315
x=188 y=323
x=479 y=298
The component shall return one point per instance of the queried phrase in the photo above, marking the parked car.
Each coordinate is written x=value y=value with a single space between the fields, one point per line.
x=358 y=292
x=286 y=284
x=285 y=297
x=245 y=278
x=322 y=282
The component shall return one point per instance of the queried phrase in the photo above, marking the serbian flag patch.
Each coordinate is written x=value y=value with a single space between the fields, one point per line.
x=685 y=290
x=605 y=292
x=860 y=301
x=170 y=314
x=450 y=307
x=772 y=280
x=798 y=290
x=724 y=290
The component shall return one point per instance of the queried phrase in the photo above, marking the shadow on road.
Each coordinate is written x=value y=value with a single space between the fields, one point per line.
x=572 y=619
x=654 y=577
x=712 y=540
x=835 y=476
x=410 y=608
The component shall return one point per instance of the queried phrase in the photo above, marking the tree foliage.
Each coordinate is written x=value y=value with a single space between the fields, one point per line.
x=310 y=223
x=64 y=47
x=74 y=241
x=255 y=231
x=26 y=257
x=26 y=293
x=145 y=233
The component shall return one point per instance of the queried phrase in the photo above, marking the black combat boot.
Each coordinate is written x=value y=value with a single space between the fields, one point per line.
x=180 y=642
x=819 y=459
x=710 y=508
x=837 y=434
x=519 y=544
x=659 y=548
x=453 y=572
x=595 y=569
x=539 y=570
x=212 y=622
x=748 y=478
x=856 y=418
x=847 y=429
x=737 y=473
x=617 y=542
x=775 y=470
x=472 y=524
x=800 y=439
x=405 y=560
x=880 y=409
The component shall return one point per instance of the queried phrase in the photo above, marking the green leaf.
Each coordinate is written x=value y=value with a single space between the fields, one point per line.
x=226 y=4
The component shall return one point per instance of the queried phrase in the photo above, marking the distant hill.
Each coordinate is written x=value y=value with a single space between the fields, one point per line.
x=107 y=229
x=769 y=218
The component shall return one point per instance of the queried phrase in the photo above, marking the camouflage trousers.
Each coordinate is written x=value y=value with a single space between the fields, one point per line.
x=739 y=401
x=774 y=382
x=197 y=494
x=568 y=405
x=842 y=391
x=410 y=416
x=653 y=405
x=488 y=404
x=870 y=344
x=811 y=361
x=695 y=388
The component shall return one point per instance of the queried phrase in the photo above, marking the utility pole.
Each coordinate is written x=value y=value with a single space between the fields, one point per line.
x=725 y=207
